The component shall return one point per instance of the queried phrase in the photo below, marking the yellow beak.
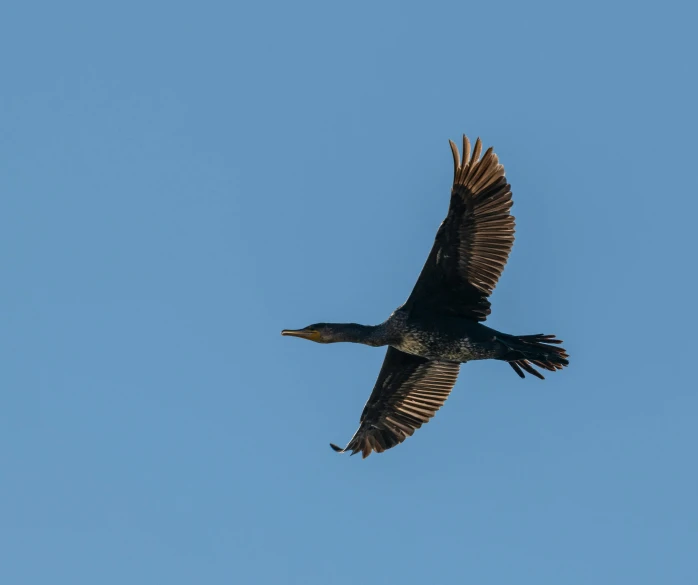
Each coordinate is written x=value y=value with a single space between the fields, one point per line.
x=310 y=334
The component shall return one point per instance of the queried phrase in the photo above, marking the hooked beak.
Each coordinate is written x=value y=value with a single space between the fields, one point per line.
x=310 y=334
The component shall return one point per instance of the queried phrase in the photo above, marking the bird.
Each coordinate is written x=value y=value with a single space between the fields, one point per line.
x=440 y=325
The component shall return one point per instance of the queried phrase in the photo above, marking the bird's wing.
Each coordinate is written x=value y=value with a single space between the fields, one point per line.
x=473 y=243
x=408 y=392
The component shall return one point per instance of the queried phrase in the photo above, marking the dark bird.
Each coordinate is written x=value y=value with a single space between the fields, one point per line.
x=440 y=325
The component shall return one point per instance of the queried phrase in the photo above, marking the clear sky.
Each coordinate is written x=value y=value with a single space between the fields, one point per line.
x=181 y=181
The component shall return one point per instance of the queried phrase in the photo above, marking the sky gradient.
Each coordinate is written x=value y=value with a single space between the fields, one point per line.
x=181 y=181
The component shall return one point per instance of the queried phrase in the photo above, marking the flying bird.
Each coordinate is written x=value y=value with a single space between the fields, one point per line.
x=441 y=325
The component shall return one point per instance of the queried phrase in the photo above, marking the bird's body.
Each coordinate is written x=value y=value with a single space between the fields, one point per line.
x=438 y=337
x=446 y=338
x=440 y=325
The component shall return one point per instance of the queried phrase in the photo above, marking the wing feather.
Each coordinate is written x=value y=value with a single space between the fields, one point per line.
x=408 y=392
x=473 y=243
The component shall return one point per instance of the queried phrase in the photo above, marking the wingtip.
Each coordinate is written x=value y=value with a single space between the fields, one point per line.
x=337 y=449
x=466 y=150
x=477 y=150
x=456 y=158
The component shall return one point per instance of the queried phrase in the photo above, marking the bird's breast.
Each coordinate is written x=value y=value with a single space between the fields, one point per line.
x=433 y=346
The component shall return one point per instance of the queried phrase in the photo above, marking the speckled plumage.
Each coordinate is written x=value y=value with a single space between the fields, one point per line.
x=446 y=338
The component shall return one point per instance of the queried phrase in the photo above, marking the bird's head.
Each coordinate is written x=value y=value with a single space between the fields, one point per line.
x=319 y=333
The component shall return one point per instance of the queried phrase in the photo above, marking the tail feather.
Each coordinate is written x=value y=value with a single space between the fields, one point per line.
x=526 y=351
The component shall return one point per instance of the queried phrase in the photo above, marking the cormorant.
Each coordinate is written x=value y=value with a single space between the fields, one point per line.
x=440 y=325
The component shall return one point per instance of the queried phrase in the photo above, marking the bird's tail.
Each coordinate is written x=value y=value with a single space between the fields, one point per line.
x=525 y=351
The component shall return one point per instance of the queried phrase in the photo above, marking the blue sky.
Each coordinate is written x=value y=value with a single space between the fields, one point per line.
x=180 y=181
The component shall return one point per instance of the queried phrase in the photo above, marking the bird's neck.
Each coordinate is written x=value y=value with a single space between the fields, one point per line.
x=373 y=335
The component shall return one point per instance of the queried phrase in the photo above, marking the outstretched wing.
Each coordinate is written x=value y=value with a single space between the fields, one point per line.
x=473 y=242
x=408 y=392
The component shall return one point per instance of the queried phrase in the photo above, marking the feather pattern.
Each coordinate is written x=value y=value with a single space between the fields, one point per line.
x=473 y=243
x=408 y=392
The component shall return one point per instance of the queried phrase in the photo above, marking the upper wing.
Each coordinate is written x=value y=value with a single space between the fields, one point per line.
x=473 y=242
x=408 y=392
